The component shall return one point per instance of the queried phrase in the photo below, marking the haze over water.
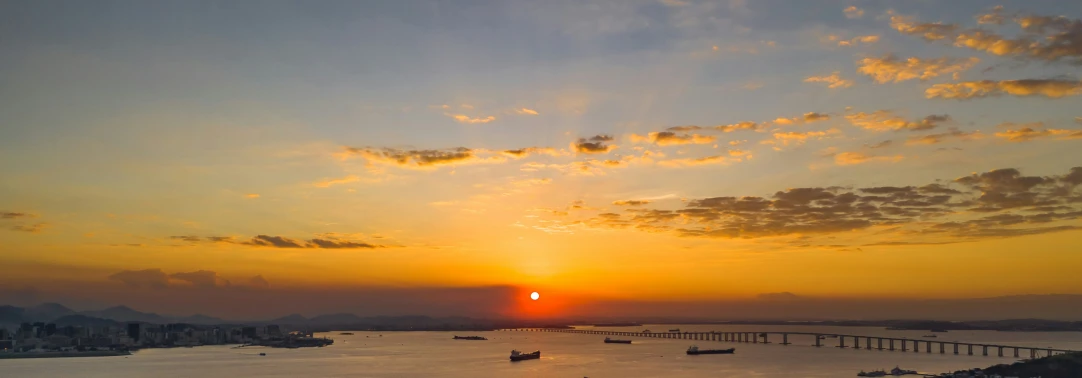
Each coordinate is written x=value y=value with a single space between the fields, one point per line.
x=435 y=354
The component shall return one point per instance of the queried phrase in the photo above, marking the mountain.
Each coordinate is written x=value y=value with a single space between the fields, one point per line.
x=200 y=319
x=46 y=312
x=11 y=314
x=289 y=319
x=126 y=314
x=84 y=321
x=332 y=319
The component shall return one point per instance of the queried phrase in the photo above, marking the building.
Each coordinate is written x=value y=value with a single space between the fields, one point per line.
x=134 y=332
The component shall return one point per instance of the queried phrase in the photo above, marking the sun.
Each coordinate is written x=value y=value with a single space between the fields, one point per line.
x=534 y=295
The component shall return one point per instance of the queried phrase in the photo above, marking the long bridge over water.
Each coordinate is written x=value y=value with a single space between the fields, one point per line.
x=880 y=343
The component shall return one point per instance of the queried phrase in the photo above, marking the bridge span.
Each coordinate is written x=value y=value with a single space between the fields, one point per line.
x=819 y=340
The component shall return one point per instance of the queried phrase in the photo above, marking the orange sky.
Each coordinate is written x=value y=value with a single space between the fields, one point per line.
x=616 y=151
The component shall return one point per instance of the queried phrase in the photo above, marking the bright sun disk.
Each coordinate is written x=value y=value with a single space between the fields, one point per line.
x=534 y=295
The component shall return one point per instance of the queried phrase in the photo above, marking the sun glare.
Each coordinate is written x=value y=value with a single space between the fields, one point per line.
x=534 y=295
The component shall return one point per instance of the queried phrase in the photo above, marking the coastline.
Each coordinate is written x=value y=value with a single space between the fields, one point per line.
x=95 y=353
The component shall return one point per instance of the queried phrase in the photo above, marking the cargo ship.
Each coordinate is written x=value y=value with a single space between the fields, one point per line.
x=519 y=356
x=470 y=338
x=615 y=341
x=674 y=330
x=694 y=350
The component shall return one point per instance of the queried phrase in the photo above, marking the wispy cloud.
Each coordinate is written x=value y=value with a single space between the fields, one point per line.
x=834 y=80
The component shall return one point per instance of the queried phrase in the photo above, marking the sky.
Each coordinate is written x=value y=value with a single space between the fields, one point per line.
x=220 y=157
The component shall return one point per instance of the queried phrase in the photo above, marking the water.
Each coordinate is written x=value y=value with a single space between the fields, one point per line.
x=435 y=354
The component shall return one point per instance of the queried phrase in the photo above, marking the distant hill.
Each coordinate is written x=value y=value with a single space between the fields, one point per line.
x=200 y=319
x=293 y=319
x=46 y=312
x=126 y=314
x=11 y=314
x=83 y=321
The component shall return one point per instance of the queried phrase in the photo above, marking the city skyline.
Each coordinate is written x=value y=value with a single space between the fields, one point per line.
x=450 y=158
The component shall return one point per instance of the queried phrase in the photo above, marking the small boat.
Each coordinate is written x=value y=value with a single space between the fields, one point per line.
x=939 y=330
x=519 y=356
x=930 y=336
x=469 y=338
x=645 y=331
x=694 y=350
x=346 y=333
x=262 y=354
x=899 y=371
x=674 y=330
x=615 y=341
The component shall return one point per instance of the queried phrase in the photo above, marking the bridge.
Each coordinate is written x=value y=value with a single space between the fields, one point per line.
x=880 y=343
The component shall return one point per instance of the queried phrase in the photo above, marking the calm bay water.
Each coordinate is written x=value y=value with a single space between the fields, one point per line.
x=435 y=354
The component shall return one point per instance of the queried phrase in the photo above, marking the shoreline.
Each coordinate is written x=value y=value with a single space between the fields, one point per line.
x=96 y=353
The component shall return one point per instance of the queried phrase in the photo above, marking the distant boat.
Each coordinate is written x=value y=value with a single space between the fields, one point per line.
x=262 y=354
x=645 y=331
x=929 y=336
x=346 y=333
x=519 y=356
x=939 y=330
x=614 y=341
x=898 y=371
x=694 y=350
x=674 y=330
x=469 y=338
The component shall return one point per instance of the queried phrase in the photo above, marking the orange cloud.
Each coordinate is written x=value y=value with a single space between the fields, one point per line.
x=885 y=120
x=1028 y=133
x=851 y=158
x=833 y=80
x=853 y=12
x=251 y=195
x=526 y=111
x=330 y=182
x=692 y=162
x=866 y=39
x=891 y=69
x=668 y=138
x=1051 y=88
x=462 y=118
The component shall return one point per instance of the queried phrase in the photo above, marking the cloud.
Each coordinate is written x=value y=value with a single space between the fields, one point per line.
x=798 y=137
x=1029 y=133
x=631 y=202
x=593 y=145
x=204 y=279
x=34 y=228
x=526 y=111
x=274 y=241
x=419 y=159
x=995 y=204
x=852 y=158
x=668 y=138
x=329 y=241
x=853 y=12
x=150 y=278
x=1051 y=88
x=693 y=162
x=462 y=118
x=1044 y=38
x=865 y=39
x=524 y=152
x=335 y=244
x=330 y=182
x=187 y=238
x=939 y=138
x=890 y=68
x=14 y=215
x=833 y=80
x=885 y=143
x=251 y=195
x=885 y=120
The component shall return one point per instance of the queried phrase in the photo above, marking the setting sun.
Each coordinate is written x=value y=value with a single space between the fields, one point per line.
x=534 y=295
